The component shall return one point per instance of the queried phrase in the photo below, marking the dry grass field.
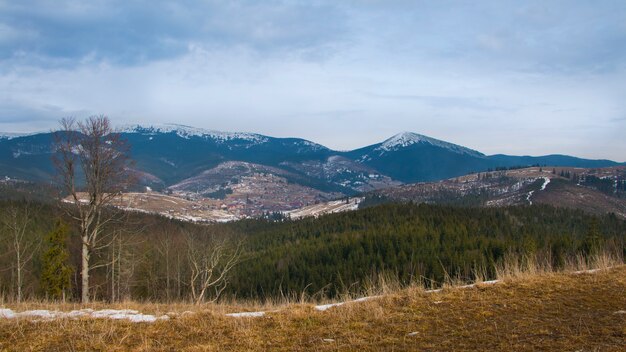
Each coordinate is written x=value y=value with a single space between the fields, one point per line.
x=524 y=311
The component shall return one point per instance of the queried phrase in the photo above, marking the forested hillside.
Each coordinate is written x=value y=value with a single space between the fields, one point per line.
x=149 y=257
x=425 y=243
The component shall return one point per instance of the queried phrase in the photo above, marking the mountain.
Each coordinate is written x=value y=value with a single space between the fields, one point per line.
x=174 y=152
x=26 y=157
x=411 y=157
x=168 y=156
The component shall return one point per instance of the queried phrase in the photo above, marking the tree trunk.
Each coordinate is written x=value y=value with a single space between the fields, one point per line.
x=167 y=272
x=85 y=272
x=113 y=275
x=178 y=277
x=19 y=274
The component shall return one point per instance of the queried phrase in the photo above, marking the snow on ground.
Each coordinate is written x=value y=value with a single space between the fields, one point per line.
x=545 y=183
x=530 y=194
x=246 y=315
x=490 y=282
x=546 y=180
x=136 y=317
x=116 y=314
x=335 y=206
x=324 y=307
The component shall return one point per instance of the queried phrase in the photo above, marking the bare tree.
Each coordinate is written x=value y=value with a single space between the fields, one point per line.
x=121 y=263
x=93 y=166
x=16 y=221
x=210 y=262
x=164 y=248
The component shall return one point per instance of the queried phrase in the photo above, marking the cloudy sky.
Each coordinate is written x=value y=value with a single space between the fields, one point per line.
x=516 y=77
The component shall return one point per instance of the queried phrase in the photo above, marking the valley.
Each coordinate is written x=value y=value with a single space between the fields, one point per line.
x=222 y=176
x=597 y=191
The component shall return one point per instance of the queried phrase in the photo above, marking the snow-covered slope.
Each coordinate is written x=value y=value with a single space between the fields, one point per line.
x=188 y=132
x=9 y=135
x=406 y=139
x=335 y=206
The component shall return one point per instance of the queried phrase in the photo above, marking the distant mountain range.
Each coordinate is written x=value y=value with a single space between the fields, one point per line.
x=208 y=162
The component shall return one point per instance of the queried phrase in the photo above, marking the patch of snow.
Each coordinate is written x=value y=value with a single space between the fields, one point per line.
x=335 y=206
x=620 y=312
x=414 y=333
x=7 y=313
x=123 y=314
x=215 y=216
x=546 y=180
x=11 y=135
x=530 y=202
x=246 y=315
x=363 y=299
x=491 y=282
x=324 y=307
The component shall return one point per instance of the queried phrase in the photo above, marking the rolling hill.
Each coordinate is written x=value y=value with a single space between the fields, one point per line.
x=596 y=191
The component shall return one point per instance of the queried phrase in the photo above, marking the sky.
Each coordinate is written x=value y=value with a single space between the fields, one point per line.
x=513 y=77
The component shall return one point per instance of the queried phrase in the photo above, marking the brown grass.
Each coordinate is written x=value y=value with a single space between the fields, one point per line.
x=531 y=309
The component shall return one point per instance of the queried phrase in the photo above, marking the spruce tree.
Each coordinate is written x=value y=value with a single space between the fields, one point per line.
x=592 y=241
x=55 y=273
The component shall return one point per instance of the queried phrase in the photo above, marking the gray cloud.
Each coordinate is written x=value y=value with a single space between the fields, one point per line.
x=530 y=77
x=71 y=32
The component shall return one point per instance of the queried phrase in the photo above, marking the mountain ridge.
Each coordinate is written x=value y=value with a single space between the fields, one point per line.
x=166 y=154
x=186 y=131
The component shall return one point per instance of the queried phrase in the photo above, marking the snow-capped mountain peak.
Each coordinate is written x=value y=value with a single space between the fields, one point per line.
x=405 y=139
x=188 y=132
x=401 y=140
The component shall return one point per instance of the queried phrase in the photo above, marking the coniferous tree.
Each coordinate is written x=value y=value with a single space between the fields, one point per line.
x=591 y=242
x=55 y=273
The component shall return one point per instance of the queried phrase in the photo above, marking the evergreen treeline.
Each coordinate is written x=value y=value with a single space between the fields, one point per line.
x=414 y=242
x=152 y=258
